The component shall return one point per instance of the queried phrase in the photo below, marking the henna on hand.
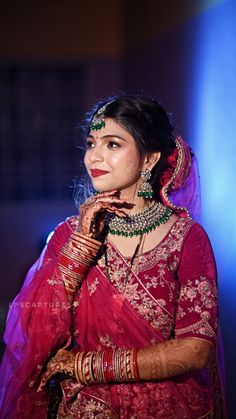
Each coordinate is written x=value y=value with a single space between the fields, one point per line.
x=171 y=358
x=62 y=362
x=93 y=211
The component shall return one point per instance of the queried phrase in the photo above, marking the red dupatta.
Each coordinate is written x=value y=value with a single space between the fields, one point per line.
x=38 y=324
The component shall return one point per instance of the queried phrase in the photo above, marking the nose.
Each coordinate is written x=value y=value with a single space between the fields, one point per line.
x=96 y=154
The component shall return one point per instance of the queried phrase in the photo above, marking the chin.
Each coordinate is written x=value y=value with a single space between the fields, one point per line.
x=102 y=187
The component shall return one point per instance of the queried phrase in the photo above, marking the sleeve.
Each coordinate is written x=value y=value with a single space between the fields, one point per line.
x=197 y=308
x=38 y=323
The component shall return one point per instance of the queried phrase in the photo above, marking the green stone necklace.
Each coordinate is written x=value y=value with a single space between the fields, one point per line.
x=142 y=222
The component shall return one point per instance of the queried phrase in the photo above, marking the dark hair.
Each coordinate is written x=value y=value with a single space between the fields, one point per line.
x=148 y=123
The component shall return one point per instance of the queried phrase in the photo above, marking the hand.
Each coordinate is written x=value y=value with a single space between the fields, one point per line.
x=93 y=211
x=62 y=362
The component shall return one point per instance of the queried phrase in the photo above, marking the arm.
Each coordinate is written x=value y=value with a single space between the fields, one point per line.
x=161 y=361
x=196 y=314
x=78 y=253
x=172 y=358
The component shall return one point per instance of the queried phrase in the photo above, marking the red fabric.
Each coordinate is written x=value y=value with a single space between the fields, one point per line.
x=38 y=323
x=172 y=159
x=171 y=291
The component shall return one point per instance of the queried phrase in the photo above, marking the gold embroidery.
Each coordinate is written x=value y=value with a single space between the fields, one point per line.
x=106 y=341
x=93 y=286
x=201 y=327
x=142 y=289
x=203 y=296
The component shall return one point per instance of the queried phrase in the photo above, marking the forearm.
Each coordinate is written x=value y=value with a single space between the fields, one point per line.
x=172 y=358
x=74 y=260
x=160 y=361
x=164 y=360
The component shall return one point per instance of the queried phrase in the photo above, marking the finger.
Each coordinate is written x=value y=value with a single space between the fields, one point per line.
x=96 y=198
x=46 y=376
x=50 y=371
x=67 y=343
x=117 y=212
x=43 y=382
x=108 y=193
x=120 y=213
x=105 y=206
x=112 y=199
x=41 y=386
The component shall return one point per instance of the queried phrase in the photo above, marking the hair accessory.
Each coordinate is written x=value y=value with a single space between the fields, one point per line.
x=98 y=120
x=145 y=190
x=142 y=222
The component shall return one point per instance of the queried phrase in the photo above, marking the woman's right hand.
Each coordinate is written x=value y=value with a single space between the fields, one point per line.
x=93 y=212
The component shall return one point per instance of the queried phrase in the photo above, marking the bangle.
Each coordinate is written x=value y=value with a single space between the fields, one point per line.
x=76 y=366
x=135 y=366
x=79 y=367
x=108 y=366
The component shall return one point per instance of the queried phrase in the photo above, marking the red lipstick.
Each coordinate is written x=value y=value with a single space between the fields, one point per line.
x=98 y=172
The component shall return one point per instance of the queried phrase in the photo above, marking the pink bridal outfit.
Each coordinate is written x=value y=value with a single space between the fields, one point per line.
x=170 y=292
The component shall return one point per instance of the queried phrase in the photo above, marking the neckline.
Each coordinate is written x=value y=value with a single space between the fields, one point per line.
x=154 y=248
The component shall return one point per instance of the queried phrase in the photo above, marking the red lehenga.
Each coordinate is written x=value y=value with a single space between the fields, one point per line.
x=170 y=292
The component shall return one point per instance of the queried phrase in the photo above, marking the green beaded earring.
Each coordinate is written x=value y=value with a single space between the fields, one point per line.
x=145 y=190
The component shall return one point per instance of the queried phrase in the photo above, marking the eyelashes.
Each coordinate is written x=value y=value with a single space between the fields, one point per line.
x=113 y=144
x=110 y=144
x=89 y=144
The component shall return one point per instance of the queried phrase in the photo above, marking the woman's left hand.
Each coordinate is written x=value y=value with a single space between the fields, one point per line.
x=62 y=362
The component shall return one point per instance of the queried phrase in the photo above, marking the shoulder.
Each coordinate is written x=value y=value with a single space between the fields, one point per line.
x=181 y=226
x=195 y=230
x=190 y=232
x=196 y=243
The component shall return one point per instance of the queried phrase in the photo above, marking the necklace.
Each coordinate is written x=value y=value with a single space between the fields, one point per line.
x=142 y=222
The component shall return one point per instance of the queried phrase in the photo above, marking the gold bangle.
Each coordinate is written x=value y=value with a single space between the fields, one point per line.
x=76 y=366
x=88 y=242
x=79 y=365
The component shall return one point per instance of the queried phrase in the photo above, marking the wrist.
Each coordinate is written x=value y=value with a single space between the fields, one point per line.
x=75 y=258
x=108 y=366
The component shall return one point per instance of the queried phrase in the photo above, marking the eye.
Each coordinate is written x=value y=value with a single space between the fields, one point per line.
x=89 y=144
x=113 y=144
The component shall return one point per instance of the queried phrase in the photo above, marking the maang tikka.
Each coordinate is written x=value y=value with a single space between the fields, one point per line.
x=145 y=189
x=98 y=120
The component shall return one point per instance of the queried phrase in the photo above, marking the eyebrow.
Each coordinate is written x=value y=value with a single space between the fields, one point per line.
x=108 y=136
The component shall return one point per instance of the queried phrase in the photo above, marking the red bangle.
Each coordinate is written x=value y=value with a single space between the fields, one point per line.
x=135 y=366
x=108 y=365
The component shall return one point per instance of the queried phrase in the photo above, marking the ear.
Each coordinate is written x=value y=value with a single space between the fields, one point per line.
x=151 y=160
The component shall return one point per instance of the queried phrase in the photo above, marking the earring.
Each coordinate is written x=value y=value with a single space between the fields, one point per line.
x=145 y=190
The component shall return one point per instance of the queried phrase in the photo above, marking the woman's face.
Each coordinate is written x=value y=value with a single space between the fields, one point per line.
x=112 y=159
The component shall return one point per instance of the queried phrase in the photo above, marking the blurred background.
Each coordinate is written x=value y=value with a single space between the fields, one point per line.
x=57 y=57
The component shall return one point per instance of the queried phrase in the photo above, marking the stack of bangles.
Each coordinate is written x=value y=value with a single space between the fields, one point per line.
x=110 y=365
x=74 y=260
